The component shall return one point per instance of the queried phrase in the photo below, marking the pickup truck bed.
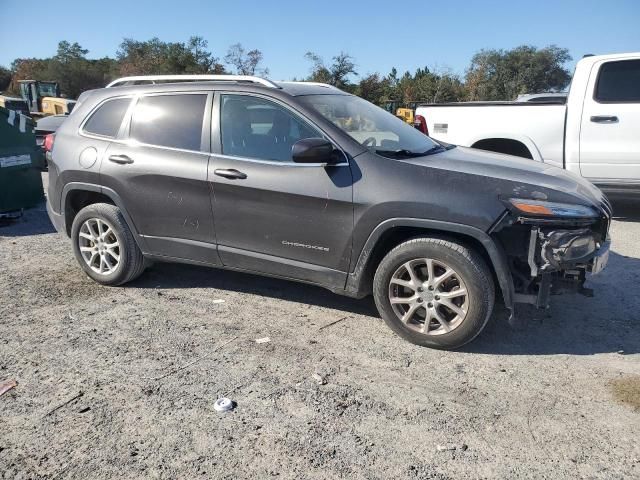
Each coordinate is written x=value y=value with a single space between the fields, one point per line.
x=536 y=130
x=595 y=134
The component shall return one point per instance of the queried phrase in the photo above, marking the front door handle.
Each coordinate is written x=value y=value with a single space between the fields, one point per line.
x=120 y=159
x=230 y=173
x=604 y=119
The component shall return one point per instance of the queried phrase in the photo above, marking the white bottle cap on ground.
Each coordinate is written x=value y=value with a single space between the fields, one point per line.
x=223 y=405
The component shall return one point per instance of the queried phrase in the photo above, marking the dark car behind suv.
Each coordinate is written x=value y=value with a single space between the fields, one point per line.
x=305 y=182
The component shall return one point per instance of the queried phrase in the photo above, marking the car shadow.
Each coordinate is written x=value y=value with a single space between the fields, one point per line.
x=33 y=221
x=173 y=275
x=574 y=324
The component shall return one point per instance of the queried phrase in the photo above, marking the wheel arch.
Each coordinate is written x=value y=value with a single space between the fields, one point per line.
x=390 y=233
x=507 y=140
x=77 y=195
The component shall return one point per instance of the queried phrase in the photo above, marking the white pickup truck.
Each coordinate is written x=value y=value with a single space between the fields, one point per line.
x=596 y=133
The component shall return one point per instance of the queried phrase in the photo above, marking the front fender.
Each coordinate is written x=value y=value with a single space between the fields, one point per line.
x=357 y=278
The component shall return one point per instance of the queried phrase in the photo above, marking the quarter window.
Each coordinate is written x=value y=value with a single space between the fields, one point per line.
x=106 y=120
x=255 y=128
x=619 y=82
x=169 y=120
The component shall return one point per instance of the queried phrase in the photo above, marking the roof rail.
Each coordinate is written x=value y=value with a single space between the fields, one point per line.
x=304 y=82
x=194 y=78
x=319 y=84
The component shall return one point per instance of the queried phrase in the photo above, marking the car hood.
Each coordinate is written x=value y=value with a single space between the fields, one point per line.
x=515 y=176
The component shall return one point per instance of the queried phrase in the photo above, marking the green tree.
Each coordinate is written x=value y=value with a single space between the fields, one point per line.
x=374 y=88
x=342 y=66
x=245 y=63
x=69 y=67
x=69 y=52
x=5 y=78
x=28 y=69
x=319 y=73
x=204 y=61
x=505 y=74
x=155 y=57
x=74 y=72
x=336 y=74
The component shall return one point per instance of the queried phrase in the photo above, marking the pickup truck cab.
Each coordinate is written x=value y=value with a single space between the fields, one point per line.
x=595 y=134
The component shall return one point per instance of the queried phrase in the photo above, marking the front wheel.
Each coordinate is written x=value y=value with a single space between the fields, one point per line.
x=434 y=292
x=104 y=246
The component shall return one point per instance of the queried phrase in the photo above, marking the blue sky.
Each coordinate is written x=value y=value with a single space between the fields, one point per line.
x=379 y=34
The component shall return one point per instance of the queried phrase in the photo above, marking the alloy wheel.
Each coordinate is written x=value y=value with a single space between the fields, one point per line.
x=428 y=296
x=99 y=246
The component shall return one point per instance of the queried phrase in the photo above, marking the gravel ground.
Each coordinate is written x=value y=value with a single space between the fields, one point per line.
x=121 y=382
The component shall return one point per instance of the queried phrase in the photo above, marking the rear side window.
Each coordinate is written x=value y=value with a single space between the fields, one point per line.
x=619 y=82
x=106 y=120
x=169 y=120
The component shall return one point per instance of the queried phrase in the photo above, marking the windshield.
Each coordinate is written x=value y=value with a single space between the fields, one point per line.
x=371 y=126
x=46 y=89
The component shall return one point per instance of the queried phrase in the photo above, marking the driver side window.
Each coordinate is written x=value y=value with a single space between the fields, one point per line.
x=252 y=127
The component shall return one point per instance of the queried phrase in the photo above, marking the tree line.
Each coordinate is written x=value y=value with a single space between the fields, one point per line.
x=491 y=75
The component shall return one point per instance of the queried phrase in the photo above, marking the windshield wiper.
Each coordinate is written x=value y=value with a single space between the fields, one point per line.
x=399 y=153
x=404 y=153
x=434 y=149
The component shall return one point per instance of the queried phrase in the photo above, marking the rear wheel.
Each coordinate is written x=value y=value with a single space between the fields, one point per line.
x=434 y=292
x=104 y=246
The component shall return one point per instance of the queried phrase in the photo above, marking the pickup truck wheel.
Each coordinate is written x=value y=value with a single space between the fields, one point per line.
x=434 y=292
x=104 y=246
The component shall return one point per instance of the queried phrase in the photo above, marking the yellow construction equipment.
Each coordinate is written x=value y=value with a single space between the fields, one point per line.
x=405 y=111
x=43 y=98
x=405 y=114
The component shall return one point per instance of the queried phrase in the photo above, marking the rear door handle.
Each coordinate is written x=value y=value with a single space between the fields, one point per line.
x=121 y=159
x=604 y=119
x=230 y=173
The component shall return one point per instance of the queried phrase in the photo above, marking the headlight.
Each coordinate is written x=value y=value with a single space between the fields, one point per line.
x=567 y=246
x=552 y=209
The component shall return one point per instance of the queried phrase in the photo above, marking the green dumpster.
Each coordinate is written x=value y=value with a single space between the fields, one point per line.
x=21 y=163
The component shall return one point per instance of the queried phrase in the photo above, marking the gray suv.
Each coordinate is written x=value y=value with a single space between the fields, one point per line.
x=305 y=182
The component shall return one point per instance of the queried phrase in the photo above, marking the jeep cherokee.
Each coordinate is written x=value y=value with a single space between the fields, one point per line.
x=305 y=182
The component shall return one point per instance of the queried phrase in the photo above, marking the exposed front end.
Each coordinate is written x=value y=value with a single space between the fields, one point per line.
x=552 y=246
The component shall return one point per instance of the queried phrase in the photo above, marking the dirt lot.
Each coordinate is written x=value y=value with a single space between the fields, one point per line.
x=121 y=382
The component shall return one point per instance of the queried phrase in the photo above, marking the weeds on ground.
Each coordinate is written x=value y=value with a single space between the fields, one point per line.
x=627 y=391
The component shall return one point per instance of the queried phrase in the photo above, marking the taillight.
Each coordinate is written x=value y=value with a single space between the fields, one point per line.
x=421 y=124
x=48 y=142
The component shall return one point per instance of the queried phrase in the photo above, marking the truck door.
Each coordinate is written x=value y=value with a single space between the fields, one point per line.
x=609 y=135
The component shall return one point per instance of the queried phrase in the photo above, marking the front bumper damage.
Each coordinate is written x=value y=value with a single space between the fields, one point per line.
x=559 y=261
x=551 y=256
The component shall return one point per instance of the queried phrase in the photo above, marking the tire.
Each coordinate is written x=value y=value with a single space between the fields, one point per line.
x=454 y=318
x=108 y=221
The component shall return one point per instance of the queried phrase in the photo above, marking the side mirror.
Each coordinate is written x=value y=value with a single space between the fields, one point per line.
x=313 y=150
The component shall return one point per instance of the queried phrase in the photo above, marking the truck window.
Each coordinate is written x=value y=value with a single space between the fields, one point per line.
x=619 y=82
x=106 y=120
x=173 y=121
